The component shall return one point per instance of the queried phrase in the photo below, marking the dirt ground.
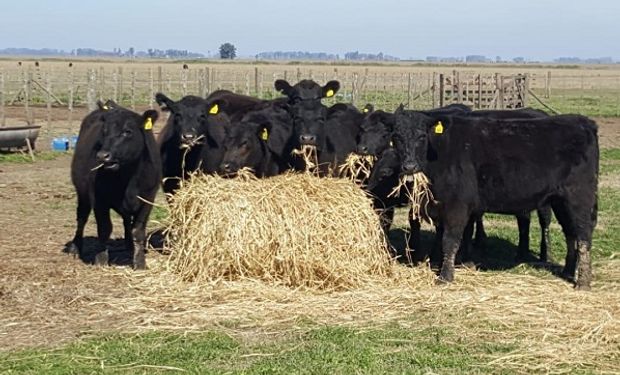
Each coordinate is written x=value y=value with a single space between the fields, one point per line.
x=48 y=297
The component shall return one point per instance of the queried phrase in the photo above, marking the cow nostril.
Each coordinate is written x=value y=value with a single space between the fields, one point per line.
x=362 y=149
x=103 y=156
x=409 y=167
x=226 y=167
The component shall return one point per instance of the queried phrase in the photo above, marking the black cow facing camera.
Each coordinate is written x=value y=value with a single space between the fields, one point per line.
x=116 y=166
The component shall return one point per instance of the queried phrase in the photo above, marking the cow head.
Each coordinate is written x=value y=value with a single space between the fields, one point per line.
x=415 y=138
x=122 y=139
x=309 y=115
x=306 y=90
x=375 y=133
x=387 y=167
x=190 y=117
x=254 y=134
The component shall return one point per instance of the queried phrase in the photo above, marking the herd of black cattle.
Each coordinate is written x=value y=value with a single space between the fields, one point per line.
x=509 y=162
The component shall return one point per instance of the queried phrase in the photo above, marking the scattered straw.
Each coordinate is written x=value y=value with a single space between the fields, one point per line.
x=309 y=155
x=292 y=229
x=420 y=196
x=357 y=168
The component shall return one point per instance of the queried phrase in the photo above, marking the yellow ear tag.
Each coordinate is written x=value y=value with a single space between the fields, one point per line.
x=329 y=93
x=148 y=124
x=264 y=135
x=365 y=110
x=105 y=108
x=214 y=110
x=439 y=128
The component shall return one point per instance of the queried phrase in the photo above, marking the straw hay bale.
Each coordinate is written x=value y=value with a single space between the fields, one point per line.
x=292 y=229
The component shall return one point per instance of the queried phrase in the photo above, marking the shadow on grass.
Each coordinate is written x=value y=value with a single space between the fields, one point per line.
x=493 y=254
x=118 y=253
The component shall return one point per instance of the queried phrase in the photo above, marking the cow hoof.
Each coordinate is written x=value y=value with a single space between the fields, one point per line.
x=139 y=266
x=71 y=248
x=440 y=281
x=568 y=274
x=102 y=258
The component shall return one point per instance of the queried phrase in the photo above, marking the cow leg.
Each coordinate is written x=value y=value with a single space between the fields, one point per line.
x=523 y=221
x=436 y=252
x=464 y=253
x=104 y=230
x=481 y=236
x=139 y=237
x=414 y=233
x=544 y=219
x=454 y=225
x=83 y=210
x=127 y=225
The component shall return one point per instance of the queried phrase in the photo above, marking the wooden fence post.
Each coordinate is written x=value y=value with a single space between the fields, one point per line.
x=90 y=90
x=71 y=92
x=479 y=105
x=499 y=87
x=434 y=89
x=120 y=84
x=409 y=91
x=184 y=82
x=298 y=74
x=101 y=81
x=133 y=90
x=441 y=89
x=256 y=92
x=151 y=88
x=27 y=94
x=526 y=92
x=115 y=88
x=207 y=81
x=548 y=85
x=48 y=88
x=160 y=79
x=2 y=114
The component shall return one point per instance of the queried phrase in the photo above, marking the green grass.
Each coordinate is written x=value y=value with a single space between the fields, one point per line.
x=325 y=350
x=18 y=157
x=588 y=102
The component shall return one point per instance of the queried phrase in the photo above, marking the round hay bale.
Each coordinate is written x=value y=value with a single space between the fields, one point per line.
x=292 y=229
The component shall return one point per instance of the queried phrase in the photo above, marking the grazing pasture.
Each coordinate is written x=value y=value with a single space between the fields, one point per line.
x=59 y=315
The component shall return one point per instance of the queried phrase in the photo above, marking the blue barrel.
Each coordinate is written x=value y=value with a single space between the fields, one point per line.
x=60 y=144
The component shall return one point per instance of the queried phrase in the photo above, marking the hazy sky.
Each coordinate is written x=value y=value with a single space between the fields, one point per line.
x=535 y=29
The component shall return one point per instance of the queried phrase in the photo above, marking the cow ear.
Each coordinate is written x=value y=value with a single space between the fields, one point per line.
x=110 y=104
x=215 y=107
x=164 y=102
x=101 y=106
x=400 y=109
x=283 y=86
x=368 y=108
x=149 y=117
x=330 y=89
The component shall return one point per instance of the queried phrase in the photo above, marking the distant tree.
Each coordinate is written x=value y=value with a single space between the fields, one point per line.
x=228 y=51
x=131 y=51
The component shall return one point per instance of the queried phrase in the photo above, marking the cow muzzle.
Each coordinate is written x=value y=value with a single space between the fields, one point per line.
x=189 y=140
x=307 y=139
x=410 y=168
x=107 y=161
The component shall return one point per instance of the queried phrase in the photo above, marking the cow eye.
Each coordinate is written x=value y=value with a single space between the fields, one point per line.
x=126 y=133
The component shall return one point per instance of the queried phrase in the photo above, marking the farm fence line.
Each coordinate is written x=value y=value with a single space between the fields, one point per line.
x=59 y=96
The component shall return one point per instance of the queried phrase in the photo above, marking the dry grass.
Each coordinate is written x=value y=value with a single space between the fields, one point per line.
x=293 y=229
x=357 y=168
x=420 y=196
x=309 y=155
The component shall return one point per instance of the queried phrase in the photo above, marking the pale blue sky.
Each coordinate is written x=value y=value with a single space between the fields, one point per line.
x=536 y=29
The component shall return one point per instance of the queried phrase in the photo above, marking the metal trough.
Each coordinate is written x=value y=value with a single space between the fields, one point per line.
x=16 y=136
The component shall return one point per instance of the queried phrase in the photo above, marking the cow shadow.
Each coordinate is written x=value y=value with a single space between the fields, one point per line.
x=118 y=253
x=493 y=254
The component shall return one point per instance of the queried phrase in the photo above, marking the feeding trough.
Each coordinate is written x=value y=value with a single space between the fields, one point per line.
x=18 y=136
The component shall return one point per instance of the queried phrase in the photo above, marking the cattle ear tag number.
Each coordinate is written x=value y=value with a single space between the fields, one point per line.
x=329 y=93
x=214 y=110
x=148 y=124
x=438 y=128
x=264 y=134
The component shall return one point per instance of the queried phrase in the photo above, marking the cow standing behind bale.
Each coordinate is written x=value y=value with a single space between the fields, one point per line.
x=116 y=166
x=478 y=165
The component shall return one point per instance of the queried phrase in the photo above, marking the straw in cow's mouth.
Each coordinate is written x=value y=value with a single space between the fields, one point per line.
x=357 y=167
x=309 y=155
x=194 y=142
x=420 y=196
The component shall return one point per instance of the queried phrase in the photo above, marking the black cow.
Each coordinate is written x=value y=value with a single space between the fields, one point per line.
x=116 y=166
x=510 y=166
x=259 y=139
x=376 y=136
x=333 y=131
x=193 y=136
